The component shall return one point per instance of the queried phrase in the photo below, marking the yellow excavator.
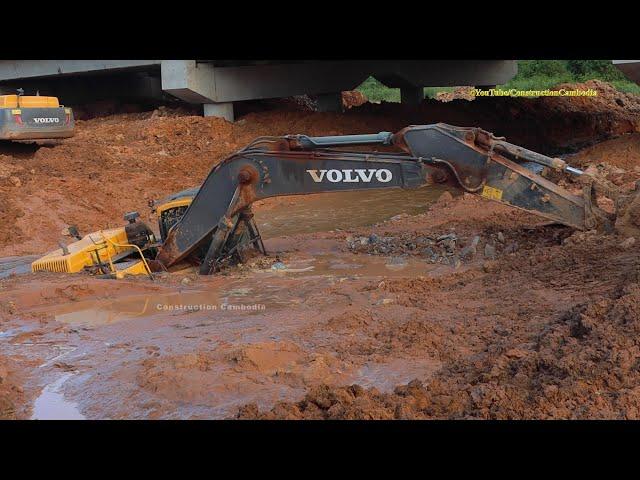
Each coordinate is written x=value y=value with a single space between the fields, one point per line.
x=26 y=117
x=212 y=226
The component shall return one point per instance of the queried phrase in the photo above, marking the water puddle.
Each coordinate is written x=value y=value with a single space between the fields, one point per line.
x=387 y=376
x=105 y=312
x=64 y=351
x=91 y=313
x=323 y=212
x=51 y=404
x=358 y=265
x=16 y=265
x=13 y=332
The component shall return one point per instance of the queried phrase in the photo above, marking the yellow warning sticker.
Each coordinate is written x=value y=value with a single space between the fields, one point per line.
x=492 y=193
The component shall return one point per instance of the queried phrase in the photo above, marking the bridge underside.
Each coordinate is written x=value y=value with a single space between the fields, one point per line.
x=631 y=68
x=216 y=84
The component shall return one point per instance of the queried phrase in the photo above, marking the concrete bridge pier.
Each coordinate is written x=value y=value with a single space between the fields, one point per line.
x=222 y=110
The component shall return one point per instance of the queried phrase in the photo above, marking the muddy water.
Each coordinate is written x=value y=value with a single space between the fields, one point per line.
x=91 y=313
x=16 y=265
x=316 y=213
x=51 y=404
x=321 y=213
x=340 y=265
x=178 y=322
x=101 y=312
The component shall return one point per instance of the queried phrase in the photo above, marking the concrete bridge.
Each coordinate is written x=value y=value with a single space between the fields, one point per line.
x=217 y=84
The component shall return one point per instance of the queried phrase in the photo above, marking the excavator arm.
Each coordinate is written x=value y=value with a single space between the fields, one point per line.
x=219 y=218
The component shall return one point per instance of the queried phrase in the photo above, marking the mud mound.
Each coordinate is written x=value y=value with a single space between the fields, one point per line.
x=353 y=98
x=458 y=93
x=11 y=394
x=456 y=248
x=459 y=231
x=348 y=403
x=205 y=376
x=267 y=358
x=628 y=219
x=622 y=152
x=400 y=334
x=608 y=98
x=583 y=366
x=179 y=377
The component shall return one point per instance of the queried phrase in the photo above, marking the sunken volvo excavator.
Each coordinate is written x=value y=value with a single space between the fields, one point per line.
x=211 y=225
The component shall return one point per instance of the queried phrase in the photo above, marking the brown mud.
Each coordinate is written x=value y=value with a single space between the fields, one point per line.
x=420 y=306
x=546 y=332
x=541 y=327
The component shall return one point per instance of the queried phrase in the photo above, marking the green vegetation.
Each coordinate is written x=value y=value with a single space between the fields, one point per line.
x=541 y=74
x=532 y=75
x=377 y=92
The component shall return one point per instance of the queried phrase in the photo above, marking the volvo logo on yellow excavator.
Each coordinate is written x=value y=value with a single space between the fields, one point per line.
x=46 y=120
x=351 y=176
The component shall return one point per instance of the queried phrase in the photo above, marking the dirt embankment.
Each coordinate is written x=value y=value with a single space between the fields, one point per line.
x=622 y=152
x=549 y=125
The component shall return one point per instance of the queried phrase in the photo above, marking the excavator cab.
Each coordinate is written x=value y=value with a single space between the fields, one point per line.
x=25 y=117
x=170 y=210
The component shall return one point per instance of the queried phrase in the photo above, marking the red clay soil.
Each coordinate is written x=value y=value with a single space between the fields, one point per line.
x=622 y=152
x=458 y=93
x=353 y=98
x=11 y=393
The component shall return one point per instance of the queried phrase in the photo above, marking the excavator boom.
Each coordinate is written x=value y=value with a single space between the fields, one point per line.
x=219 y=217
